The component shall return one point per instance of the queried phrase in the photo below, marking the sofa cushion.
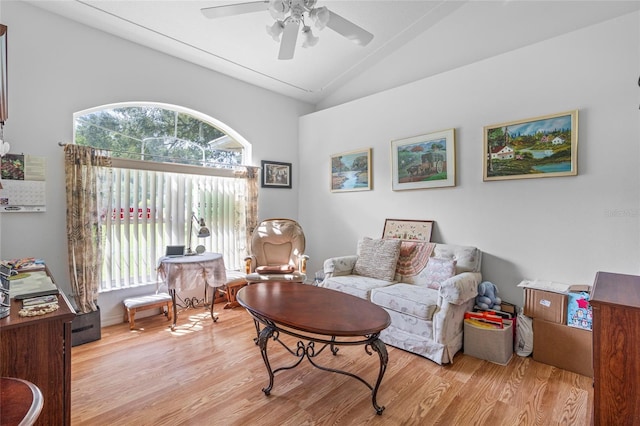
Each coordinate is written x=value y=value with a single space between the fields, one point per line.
x=416 y=301
x=377 y=258
x=275 y=269
x=354 y=285
x=437 y=271
x=468 y=259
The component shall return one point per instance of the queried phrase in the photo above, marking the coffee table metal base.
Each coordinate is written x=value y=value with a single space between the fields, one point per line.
x=306 y=348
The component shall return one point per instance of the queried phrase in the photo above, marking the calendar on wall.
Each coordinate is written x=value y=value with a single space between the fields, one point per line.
x=23 y=183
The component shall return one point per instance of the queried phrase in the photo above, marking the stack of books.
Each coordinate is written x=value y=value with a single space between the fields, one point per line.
x=38 y=305
x=484 y=319
x=31 y=284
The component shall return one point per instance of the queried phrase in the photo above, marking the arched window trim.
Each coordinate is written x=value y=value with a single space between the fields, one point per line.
x=247 y=154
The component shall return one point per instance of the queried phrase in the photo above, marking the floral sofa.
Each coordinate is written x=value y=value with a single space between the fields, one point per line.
x=425 y=287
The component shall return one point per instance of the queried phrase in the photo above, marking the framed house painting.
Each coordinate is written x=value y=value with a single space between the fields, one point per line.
x=532 y=148
x=425 y=161
x=405 y=229
x=351 y=171
x=276 y=174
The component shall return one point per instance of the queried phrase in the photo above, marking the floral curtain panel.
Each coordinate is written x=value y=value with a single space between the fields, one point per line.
x=88 y=179
x=251 y=203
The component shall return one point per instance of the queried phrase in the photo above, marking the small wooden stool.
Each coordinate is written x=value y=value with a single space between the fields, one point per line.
x=134 y=304
x=235 y=281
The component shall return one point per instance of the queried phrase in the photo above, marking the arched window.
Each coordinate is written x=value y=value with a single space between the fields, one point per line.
x=170 y=164
x=160 y=133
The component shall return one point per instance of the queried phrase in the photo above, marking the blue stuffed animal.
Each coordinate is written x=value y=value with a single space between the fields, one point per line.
x=487 y=297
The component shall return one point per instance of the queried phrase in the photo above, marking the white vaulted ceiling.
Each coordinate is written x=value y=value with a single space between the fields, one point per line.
x=412 y=39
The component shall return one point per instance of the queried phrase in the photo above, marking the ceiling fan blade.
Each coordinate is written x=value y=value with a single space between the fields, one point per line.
x=348 y=29
x=289 y=37
x=235 y=9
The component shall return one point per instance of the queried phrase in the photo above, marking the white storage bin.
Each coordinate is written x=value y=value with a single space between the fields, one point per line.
x=491 y=344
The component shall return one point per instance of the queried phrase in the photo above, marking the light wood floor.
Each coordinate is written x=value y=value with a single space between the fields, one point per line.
x=206 y=373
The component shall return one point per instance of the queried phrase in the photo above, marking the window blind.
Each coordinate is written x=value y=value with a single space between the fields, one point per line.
x=152 y=209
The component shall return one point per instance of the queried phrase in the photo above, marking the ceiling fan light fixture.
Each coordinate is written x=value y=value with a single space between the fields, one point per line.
x=309 y=39
x=290 y=16
x=278 y=9
x=275 y=30
x=320 y=17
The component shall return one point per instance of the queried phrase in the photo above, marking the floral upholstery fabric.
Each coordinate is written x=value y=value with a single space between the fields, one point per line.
x=460 y=288
x=468 y=259
x=411 y=300
x=342 y=265
x=356 y=285
x=439 y=270
x=424 y=321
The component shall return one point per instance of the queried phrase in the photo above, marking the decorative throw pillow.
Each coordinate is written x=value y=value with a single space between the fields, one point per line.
x=274 y=269
x=377 y=258
x=439 y=270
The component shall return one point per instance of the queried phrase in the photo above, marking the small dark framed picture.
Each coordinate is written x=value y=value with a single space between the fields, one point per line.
x=276 y=174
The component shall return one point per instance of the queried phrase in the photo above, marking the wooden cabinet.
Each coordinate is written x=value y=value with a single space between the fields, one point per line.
x=615 y=301
x=38 y=349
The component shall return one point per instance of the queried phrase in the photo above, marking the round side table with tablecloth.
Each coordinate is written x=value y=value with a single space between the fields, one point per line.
x=189 y=272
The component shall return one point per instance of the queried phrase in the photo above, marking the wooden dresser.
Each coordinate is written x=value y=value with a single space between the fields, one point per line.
x=38 y=349
x=615 y=300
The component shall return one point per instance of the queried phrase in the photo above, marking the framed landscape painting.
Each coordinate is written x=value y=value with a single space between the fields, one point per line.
x=425 y=161
x=351 y=171
x=276 y=174
x=533 y=148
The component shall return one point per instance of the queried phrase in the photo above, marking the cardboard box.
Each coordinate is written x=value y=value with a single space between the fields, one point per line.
x=85 y=328
x=563 y=347
x=545 y=305
x=491 y=344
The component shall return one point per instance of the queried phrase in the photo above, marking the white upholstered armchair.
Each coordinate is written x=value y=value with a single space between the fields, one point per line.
x=277 y=252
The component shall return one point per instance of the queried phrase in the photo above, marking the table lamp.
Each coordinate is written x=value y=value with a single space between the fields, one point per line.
x=203 y=232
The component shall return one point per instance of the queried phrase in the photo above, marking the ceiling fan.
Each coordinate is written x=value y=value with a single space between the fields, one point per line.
x=289 y=15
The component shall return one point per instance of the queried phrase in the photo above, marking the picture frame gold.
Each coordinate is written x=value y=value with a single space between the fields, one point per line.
x=351 y=171
x=424 y=161
x=545 y=146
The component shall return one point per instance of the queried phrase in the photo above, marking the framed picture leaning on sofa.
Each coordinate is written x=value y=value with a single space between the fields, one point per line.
x=404 y=229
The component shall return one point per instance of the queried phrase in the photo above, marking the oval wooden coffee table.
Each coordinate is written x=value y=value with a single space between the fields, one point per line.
x=315 y=315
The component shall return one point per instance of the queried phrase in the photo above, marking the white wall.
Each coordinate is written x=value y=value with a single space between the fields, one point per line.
x=58 y=67
x=562 y=229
